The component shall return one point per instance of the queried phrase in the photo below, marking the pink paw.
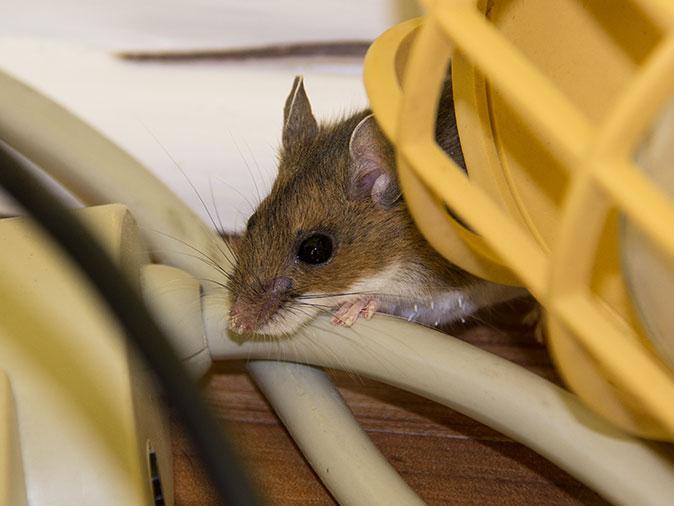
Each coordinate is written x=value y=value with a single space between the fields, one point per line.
x=347 y=314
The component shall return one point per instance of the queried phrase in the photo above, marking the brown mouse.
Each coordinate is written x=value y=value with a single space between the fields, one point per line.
x=335 y=234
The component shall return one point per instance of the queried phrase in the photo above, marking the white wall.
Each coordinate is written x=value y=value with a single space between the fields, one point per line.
x=181 y=24
x=220 y=121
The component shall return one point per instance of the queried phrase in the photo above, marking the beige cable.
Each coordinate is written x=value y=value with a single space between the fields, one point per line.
x=492 y=390
x=97 y=171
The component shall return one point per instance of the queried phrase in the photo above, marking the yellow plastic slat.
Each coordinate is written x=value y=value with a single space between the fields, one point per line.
x=642 y=201
x=501 y=233
x=534 y=95
x=662 y=11
x=624 y=355
x=381 y=73
x=639 y=105
x=415 y=140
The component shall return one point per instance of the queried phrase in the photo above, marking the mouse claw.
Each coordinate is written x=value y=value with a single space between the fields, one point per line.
x=369 y=310
x=347 y=314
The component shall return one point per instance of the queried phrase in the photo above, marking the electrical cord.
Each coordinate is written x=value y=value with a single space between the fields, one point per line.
x=126 y=304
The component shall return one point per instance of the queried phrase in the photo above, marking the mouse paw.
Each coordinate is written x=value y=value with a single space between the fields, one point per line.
x=348 y=312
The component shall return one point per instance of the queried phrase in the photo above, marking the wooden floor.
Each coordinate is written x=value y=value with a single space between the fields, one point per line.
x=446 y=457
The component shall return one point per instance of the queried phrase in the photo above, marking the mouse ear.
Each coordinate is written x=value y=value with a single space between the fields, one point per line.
x=372 y=165
x=299 y=123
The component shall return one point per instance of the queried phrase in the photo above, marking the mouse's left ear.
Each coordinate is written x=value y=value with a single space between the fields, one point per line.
x=372 y=165
x=299 y=124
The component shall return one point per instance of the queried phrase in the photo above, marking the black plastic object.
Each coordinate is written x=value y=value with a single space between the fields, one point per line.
x=155 y=478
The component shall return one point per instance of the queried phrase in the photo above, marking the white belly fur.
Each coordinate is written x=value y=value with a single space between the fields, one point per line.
x=451 y=306
x=394 y=293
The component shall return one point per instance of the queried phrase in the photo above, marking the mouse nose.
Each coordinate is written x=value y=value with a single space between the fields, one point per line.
x=248 y=315
x=280 y=285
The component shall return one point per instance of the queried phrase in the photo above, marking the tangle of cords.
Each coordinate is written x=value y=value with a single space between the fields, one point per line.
x=217 y=454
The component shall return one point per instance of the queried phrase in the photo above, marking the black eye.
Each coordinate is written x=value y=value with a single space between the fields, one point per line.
x=315 y=249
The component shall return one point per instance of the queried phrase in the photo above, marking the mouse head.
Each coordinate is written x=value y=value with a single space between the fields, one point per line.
x=333 y=226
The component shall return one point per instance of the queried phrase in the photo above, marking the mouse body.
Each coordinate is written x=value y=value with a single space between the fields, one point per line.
x=334 y=235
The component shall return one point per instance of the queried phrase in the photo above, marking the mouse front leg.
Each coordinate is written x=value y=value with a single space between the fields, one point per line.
x=348 y=312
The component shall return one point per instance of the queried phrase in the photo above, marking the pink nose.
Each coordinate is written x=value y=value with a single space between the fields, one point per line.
x=248 y=315
x=280 y=285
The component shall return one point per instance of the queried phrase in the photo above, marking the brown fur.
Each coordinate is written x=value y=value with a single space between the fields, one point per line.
x=311 y=194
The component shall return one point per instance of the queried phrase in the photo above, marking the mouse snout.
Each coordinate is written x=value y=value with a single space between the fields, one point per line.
x=280 y=285
x=250 y=313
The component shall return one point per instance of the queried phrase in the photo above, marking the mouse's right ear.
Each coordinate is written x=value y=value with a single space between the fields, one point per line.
x=372 y=165
x=299 y=124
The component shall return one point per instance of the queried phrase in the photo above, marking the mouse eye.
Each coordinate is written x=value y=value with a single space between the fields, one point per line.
x=315 y=249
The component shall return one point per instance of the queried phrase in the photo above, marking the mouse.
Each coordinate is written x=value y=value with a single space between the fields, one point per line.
x=335 y=236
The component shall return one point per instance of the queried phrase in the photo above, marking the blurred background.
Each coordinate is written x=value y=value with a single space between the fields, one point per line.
x=208 y=96
x=195 y=91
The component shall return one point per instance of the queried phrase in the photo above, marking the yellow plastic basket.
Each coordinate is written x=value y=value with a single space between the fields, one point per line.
x=552 y=100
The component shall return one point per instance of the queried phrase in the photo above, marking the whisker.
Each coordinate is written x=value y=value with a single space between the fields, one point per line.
x=200 y=259
x=344 y=294
x=311 y=304
x=245 y=162
x=343 y=365
x=215 y=206
x=193 y=248
x=239 y=192
x=252 y=156
x=222 y=285
x=365 y=325
x=180 y=169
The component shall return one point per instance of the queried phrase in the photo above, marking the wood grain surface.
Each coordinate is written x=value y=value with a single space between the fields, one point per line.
x=445 y=456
